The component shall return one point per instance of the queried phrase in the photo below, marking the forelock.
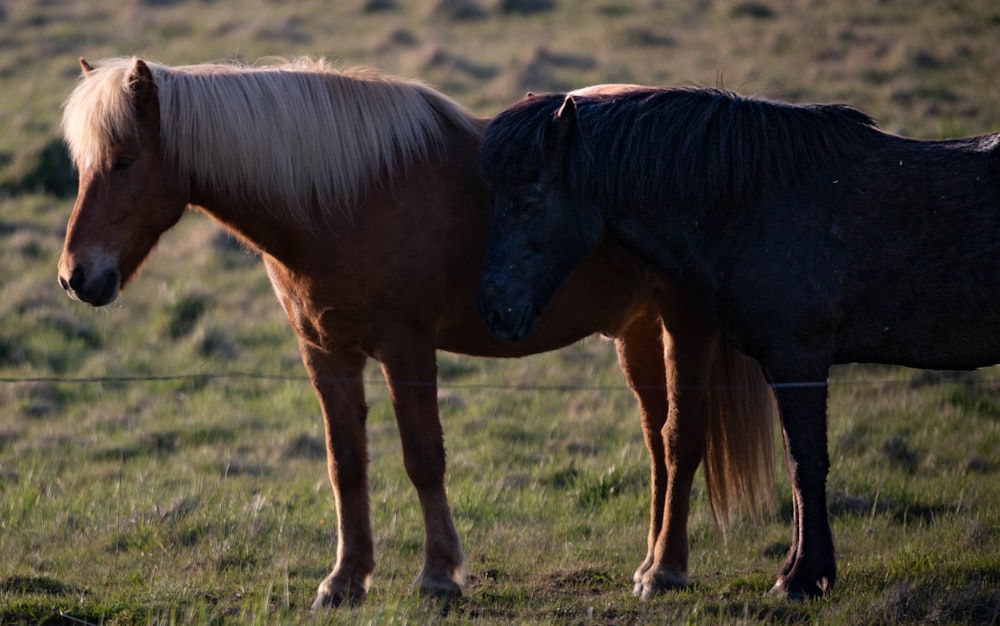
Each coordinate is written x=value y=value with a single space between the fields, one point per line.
x=99 y=112
x=514 y=141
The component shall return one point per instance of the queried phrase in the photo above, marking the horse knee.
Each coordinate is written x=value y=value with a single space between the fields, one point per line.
x=425 y=466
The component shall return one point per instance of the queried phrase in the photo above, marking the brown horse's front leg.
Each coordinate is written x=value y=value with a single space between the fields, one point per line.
x=337 y=379
x=410 y=370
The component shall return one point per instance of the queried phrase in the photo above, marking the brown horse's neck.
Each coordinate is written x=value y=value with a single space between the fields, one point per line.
x=449 y=178
x=258 y=229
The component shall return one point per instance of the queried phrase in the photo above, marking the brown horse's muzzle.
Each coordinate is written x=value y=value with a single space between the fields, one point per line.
x=97 y=284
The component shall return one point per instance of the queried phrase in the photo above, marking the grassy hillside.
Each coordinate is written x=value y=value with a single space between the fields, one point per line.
x=161 y=461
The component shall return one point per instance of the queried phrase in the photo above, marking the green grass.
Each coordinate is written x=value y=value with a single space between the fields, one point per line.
x=138 y=486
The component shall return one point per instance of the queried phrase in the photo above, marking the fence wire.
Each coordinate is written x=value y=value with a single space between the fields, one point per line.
x=967 y=378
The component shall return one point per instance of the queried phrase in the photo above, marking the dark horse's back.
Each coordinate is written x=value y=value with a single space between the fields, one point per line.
x=910 y=256
x=947 y=294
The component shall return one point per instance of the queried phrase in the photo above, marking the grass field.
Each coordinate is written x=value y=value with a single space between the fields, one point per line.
x=161 y=461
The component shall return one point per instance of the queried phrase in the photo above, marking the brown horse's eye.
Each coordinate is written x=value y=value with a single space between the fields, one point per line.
x=122 y=163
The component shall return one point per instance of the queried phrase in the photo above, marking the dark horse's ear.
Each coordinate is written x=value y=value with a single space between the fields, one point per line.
x=995 y=159
x=142 y=85
x=561 y=129
x=86 y=67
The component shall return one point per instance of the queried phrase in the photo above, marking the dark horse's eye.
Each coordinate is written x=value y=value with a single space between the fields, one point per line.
x=121 y=163
x=530 y=197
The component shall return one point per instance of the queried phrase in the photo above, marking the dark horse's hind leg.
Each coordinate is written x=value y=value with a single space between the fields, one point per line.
x=811 y=569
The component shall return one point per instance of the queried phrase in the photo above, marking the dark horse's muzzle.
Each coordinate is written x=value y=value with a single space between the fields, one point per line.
x=507 y=314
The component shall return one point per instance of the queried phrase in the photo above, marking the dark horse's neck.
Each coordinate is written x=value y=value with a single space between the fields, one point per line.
x=690 y=160
x=705 y=148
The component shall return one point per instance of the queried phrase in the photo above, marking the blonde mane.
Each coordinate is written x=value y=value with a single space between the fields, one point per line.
x=288 y=136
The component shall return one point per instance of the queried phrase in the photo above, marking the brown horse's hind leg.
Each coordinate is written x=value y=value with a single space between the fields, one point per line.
x=690 y=344
x=411 y=373
x=337 y=380
x=668 y=371
x=640 y=355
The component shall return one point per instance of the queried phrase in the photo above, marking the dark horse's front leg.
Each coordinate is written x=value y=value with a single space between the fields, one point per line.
x=337 y=379
x=811 y=569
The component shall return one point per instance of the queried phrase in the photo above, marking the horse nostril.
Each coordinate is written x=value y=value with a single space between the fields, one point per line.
x=63 y=283
x=491 y=316
x=77 y=279
x=493 y=319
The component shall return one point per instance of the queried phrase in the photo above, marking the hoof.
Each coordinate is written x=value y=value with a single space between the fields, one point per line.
x=654 y=583
x=795 y=596
x=334 y=600
x=440 y=583
x=441 y=597
x=446 y=590
x=782 y=589
x=331 y=595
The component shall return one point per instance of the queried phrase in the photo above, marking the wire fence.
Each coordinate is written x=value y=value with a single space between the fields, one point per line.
x=931 y=377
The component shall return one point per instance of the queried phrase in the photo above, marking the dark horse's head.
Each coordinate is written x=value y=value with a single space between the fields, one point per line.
x=539 y=232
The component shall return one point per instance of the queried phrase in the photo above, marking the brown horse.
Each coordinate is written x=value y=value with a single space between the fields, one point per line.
x=362 y=195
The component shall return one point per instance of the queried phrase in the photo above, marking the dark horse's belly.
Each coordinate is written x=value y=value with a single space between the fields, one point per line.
x=941 y=333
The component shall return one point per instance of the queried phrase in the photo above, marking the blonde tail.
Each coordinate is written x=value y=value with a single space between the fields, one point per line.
x=739 y=438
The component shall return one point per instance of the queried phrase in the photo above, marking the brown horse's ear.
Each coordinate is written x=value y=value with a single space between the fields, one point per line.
x=86 y=67
x=565 y=124
x=143 y=86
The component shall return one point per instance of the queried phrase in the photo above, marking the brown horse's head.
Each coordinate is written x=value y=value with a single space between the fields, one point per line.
x=128 y=196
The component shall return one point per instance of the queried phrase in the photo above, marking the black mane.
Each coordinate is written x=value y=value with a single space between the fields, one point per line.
x=652 y=145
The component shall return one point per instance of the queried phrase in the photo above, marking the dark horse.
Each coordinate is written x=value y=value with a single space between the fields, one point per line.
x=808 y=237
x=362 y=194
